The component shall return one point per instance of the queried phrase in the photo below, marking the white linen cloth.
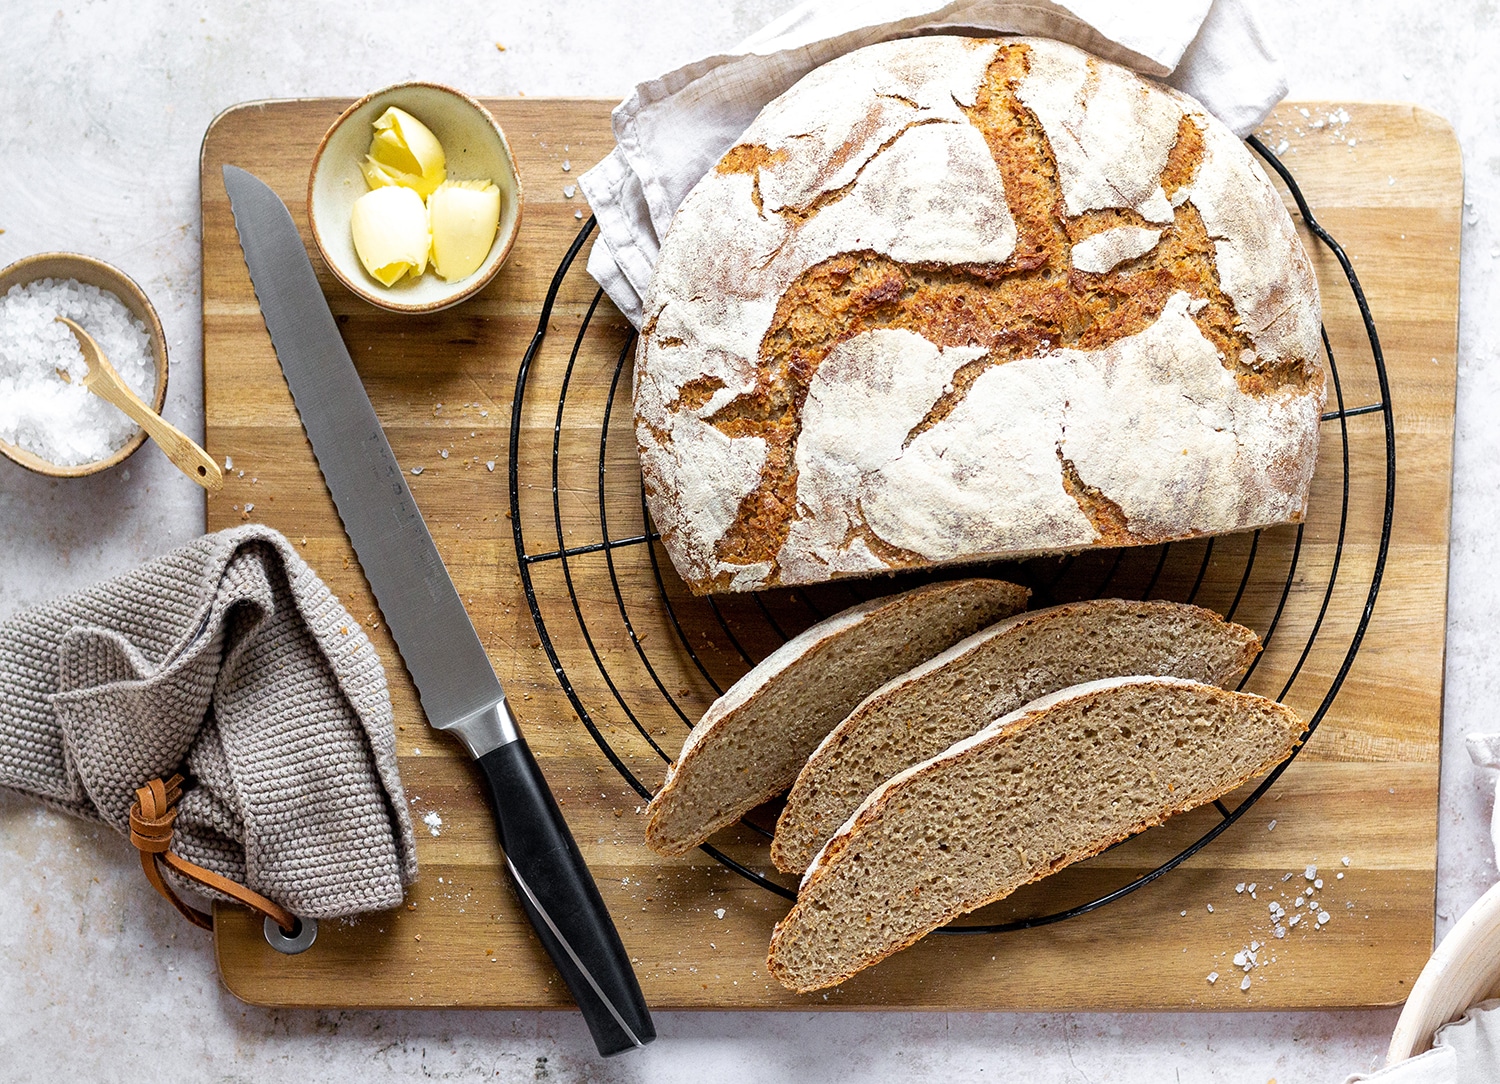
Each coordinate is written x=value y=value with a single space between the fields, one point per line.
x=1464 y=1051
x=673 y=129
x=1484 y=751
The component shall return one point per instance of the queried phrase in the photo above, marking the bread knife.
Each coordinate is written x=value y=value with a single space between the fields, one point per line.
x=459 y=690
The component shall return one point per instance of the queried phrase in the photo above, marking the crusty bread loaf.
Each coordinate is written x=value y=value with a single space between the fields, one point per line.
x=992 y=673
x=1058 y=781
x=954 y=298
x=753 y=740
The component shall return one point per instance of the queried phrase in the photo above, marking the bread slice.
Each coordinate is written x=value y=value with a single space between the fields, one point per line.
x=992 y=673
x=753 y=740
x=1057 y=781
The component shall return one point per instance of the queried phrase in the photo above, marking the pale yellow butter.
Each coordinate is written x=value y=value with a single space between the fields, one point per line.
x=391 y=235
x=463 y=216
x=404 y=152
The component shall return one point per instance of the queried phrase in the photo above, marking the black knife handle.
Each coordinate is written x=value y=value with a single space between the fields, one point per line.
x=563 y=903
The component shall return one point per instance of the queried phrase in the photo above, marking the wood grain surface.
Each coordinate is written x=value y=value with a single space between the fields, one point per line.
x=1386 y=181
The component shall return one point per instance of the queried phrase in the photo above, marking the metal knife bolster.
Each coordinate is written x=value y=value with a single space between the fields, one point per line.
x=486 y=729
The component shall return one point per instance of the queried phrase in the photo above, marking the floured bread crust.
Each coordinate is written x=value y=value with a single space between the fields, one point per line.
x=956 y=298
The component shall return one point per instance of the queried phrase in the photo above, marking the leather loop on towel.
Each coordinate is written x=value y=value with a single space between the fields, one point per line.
x=151 y=818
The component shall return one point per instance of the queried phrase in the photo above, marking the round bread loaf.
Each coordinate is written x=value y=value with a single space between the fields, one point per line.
x=955 y=298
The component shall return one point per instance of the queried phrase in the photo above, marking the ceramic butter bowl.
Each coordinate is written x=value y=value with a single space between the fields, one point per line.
x=476 y=149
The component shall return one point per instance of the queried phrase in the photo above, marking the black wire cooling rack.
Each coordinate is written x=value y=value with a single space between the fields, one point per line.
x=647 y=656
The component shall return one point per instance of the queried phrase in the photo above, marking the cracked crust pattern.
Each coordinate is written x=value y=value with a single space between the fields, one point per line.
x=953 y=299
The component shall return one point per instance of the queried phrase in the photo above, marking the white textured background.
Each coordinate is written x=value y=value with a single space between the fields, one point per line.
x=102 y=108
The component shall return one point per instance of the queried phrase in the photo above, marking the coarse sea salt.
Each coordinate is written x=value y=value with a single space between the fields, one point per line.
x=63 y=422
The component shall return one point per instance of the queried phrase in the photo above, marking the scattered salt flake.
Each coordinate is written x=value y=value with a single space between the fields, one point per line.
x=1312 y=905
x=1252 y=886
x=1340 y=876
x=567 y=166
x=1287 y=878
x=1298 y=902
x=719 y=913
x=249 y=508
x=434 y=822
x=1311 y=873
x=579 y=214
x=1345 y=860
x=1323 y=917
x=444 y=453
x=229 y=462
x=1213 y=977
x=1318 y=883
x=1239 y=888
x=1294 y=920
x=1254 y=946
x=1271 y=827
x=418 y=470
x=1281 y=148
x=416 y=752
x=569 y=190
x=1210 y=908
x=1280 y=931
x=1245 y=984
x=1184 y=914
x=489 y=464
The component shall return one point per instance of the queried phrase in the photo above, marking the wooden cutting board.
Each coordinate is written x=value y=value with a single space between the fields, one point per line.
x=1385 y=179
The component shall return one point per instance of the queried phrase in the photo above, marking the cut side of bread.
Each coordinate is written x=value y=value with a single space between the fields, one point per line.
x=991 y=674
x=1055 y=782
x=753 y=740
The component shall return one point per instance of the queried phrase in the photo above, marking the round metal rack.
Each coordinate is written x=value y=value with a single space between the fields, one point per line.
x=593 y=622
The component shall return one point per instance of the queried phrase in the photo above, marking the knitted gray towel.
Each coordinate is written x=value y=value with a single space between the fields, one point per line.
x=230 y=661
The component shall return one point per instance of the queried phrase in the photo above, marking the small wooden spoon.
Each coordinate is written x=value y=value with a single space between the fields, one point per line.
x=106 y=383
